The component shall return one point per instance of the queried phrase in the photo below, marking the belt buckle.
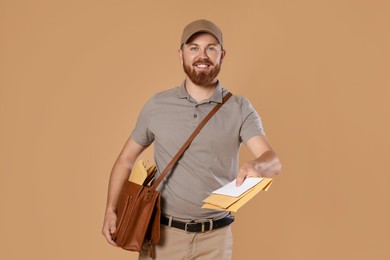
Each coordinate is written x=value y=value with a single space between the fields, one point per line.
x=203 y=226
x=186 y=226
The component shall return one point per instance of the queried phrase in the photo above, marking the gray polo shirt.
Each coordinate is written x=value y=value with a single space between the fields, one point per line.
x=211 y=161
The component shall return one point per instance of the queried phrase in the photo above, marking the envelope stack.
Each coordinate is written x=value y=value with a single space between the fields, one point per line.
x=230 y=199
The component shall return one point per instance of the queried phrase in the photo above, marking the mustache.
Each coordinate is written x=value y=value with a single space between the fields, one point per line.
x=203 y=62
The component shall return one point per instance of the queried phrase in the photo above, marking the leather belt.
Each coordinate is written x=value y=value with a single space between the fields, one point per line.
x=197 y=226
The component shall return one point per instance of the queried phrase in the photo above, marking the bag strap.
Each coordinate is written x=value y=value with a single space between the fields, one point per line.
x=188 y=142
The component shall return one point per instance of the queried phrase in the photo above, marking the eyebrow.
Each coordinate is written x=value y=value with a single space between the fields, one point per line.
x=210 y=44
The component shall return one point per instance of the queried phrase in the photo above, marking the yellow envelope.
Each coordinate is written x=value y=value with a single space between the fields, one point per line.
x=229 y=203
x=139 y=172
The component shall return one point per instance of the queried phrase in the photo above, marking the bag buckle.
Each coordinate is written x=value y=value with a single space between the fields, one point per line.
x=149 y=195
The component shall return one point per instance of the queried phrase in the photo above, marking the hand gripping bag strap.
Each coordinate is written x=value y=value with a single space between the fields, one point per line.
x=188 y=142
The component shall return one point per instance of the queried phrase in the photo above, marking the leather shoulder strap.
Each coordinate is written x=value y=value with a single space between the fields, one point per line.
x=189 y=140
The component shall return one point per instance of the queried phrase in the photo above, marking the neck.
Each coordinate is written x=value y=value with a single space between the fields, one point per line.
x=200 y=93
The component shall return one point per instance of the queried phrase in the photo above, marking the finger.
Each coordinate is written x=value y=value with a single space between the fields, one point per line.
x=110 y=240
x=107 y=235
x=112 y=229
x=239 y=180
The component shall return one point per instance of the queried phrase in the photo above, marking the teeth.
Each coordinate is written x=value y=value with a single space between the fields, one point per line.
x=202 y=66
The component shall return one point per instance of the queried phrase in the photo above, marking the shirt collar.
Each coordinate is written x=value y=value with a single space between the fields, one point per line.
x=216 y=97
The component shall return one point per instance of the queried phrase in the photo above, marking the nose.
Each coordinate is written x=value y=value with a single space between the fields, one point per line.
x=203 y=54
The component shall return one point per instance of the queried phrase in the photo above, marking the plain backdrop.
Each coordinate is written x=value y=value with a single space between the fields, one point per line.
x=74 y=75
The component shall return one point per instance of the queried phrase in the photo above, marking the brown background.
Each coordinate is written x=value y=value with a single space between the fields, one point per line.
x=74 y=75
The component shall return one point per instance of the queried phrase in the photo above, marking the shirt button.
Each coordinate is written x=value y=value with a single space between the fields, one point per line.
x=195 y=115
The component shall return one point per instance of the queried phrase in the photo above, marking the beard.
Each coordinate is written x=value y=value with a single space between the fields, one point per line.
x=202 y=78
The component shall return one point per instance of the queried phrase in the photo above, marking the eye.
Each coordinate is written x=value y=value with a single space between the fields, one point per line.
x=211 y=48
x=194 y=48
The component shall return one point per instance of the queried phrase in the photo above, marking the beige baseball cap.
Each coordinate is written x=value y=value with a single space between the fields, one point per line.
x=198 y=26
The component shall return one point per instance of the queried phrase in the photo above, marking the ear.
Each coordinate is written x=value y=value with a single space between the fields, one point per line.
x=223 y=54
x=180 y=52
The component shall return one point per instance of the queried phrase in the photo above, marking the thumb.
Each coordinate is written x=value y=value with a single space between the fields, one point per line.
x=240 y=179
x=112 y=229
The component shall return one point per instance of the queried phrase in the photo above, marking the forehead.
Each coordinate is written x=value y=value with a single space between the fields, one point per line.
x=202 y=38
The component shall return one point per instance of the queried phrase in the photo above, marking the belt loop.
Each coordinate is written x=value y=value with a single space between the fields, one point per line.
x=170 y=221
x=211 y=224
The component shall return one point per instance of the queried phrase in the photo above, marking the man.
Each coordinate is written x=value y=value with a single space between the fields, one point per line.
x=210 y=162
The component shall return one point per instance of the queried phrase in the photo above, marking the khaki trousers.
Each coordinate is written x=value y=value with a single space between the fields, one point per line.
x=176 y=244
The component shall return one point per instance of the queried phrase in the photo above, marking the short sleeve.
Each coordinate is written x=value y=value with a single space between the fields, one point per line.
x=251 y=122
x=141 y=133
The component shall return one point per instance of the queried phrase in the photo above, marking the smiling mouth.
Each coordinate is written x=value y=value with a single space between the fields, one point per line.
x=202 y=66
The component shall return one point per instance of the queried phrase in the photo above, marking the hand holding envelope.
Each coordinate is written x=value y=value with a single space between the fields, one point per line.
x=231 y=198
